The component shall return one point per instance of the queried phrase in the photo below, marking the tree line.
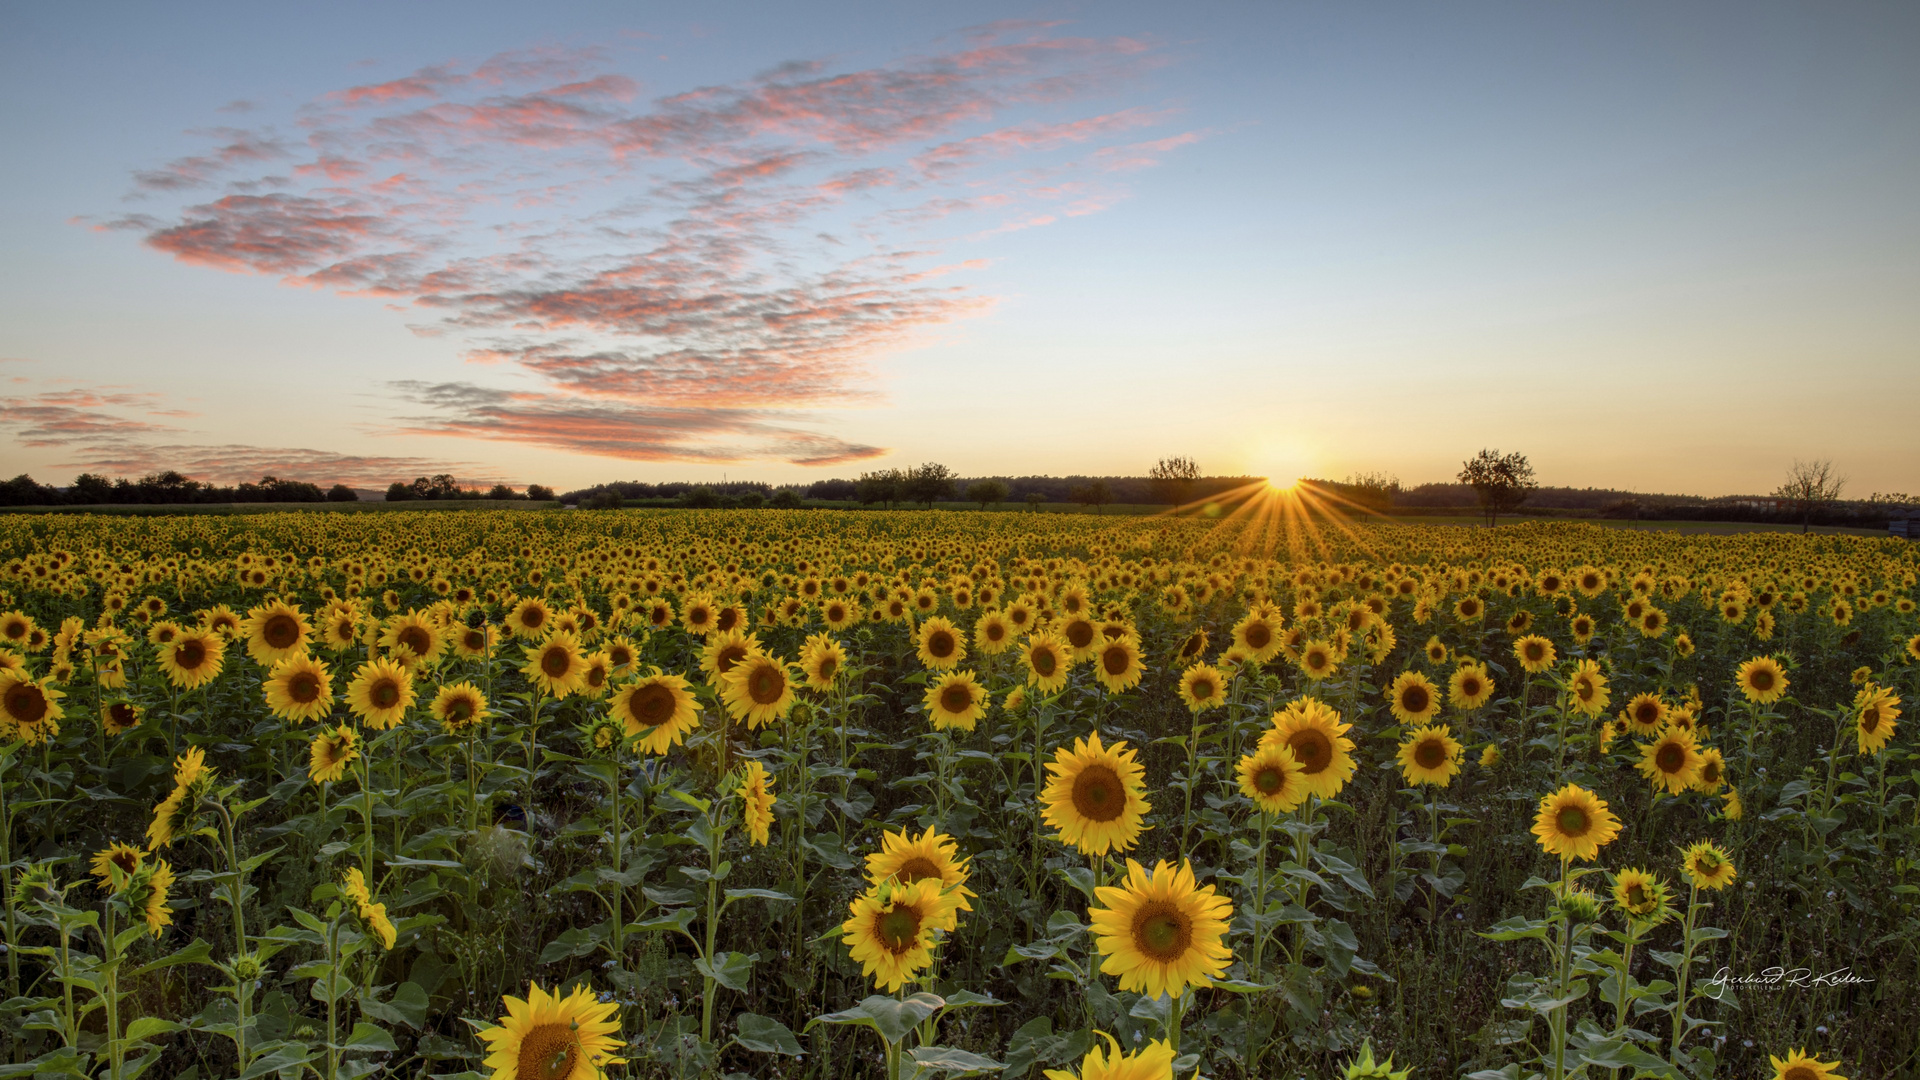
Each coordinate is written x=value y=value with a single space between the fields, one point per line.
x=172 y=486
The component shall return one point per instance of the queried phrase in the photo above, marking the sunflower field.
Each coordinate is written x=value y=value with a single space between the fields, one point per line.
x=785 y=794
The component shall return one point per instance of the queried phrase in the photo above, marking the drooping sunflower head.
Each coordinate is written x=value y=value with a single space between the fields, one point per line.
x=1096 y=796
x=550 y=1037
x=116 y=864
x=1430 y=755
x=1707 y=866
x=1413 y=698
x=1876 y=711
x=1587 y=692
x=330 y=753
x=1574 y=824
x=1161 y=931
x=146 y=894
x=1761 y=680
x=1272 y=779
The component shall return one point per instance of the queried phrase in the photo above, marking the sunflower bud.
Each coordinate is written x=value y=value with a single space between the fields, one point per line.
x=1580 y=906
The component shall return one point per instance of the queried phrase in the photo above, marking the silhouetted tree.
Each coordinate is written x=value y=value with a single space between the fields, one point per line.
x=1499 y=482
x=342 y=493
x=929 y=483
x=1810 y=485
x=1173 y=478
x=986 y=492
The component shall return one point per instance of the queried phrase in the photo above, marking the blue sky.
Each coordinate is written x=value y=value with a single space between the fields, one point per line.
x=1653 y=246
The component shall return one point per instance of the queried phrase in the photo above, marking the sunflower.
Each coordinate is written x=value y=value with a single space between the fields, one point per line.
x=758 y=690
x=116 y=864
x=993 y=633
x=1272 y=779
x=1646 y=714
x=1587 y=689
x=723 y=650
x=1160 y=931
x=1153 y=1061
x=621 y=655
x=822 y=660
x=890 y=931
x=120 y=717
x=1430 y=755
x=939 y=645
x=1706 y=866
x=1436 y=650
x=1641 y=895
x=340 y=629
x=175 y=814
x=1117 y=665
x=549 y=1037
x=1095 y=796
x=1048 y=661
x=528 y=619
x=331 y=753
x=1312 y=730
x=1257 y=636
x=838 y=614
x=1081 y=634
x=275 y=631
x=1414 y=699
x=1203 y=687
x=1582 y=628
x=380 y=693
x=955 y=700
x=1875 y=710
x=193 y=659
x=146 y=894
x=904 y=859
x=415 y=633
x=1762 y=680
x=372 y=916
x=1317 y=660
x=1799 y=1065
x=16 y=627
x=1573 y=823
x=1671 y=762
x=1711 y=776
x=596 y=669
x=459 y=707
x=659 y=710
x=1470 y=687
x=299 y=689
x=32 y=709
x=1535 y=653
x=555 y=666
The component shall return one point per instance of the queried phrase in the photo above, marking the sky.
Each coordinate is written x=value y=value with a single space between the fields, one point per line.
x=1653 y=246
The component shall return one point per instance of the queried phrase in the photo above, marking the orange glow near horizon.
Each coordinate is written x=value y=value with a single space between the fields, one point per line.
x=1268 y=515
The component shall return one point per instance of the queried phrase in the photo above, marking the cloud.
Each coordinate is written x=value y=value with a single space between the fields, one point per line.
x=680 y=277
x=238 y=463
x=67 y=417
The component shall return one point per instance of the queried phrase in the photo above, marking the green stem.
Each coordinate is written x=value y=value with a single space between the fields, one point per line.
x=115 y=1051
x=1686 y=968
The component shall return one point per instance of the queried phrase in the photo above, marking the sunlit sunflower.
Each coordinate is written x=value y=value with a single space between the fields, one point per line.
x=955 y=700
x=1761 y=680
x=1582 y=628
x=1272 y=778
x=1875 y=711
x=621 y=655
x=1095 y=796
x=193 y=659
x=1048 y=660
x=31 y=708
x=1317 y=660
x=1706 y=866
x=698 y=615
x=415 y=633
x=1436 y=650
x=904 y=858
x=275 y=631
x=1671 y=762
x=120 y=717
x=330 y=754
x=528 y=619
x=939 y=645
x=300 y=688
x=1153 y=1061
x=459 y=707
x=1312 y=730
x=659 y=710
x=116 y=864
x=1430 y=755
x=176 y=813
x=550 y=1037
x=596 y=675
x=555 y=666
x=1799 y=1065
x=1711 y=776
x=1470 y=687
x=1587 y=692
x=1117 y=665
x=16 y=628
x=1413 y=698
x=1535 y=653
x=380 y=693
x=1574 y=823
x=1160 y=931
x=1646 y=714
x=758 y=690
x=723 y=650
x=890 y=931
x=1258 y=636
x=822 y=659
x=1641 y=895
x=340 y=629
x=1203 y=687
x=1081 y=634
x=993 y=633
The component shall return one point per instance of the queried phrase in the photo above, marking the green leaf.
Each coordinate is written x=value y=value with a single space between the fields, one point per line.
x=729 y=969
x=948 y=1059
x=148 y=1026
x=765 y=1035
x=408 y=1006
x=369 y=1039
x=892 y=1019
x=757 y=894
x=196 y=953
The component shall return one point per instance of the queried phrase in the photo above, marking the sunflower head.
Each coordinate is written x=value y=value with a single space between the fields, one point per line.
x=955 y=700
x=1272 y=779
x=1413 y=698
x=550 y=1037
x=1315 y=734
x=1707 y=866
x=1574 y=823
x=1430 y=755
x=1641 y=895
x=892 y=925
x=1095 y=796
x=1800 y=1065
x=1203 y=687
x=1761 y=680
x=1161 y=931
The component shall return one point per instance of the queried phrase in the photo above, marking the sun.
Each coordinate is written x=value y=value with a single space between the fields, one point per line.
x=1274 y=483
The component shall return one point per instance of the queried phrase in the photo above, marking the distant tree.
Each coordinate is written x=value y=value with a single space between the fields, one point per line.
x=700 y=498
x=24 y=490
x=539 y=493
x=785 y=499
x=753 y=500
x=604 y=499
x=399 y=491
x=986 y=492
x=881 y=486
x=1810 y=486
x=501 y=491
x=1373 y=490
x=1172 y=479
x=342 y=493
x=929 y=483
x=90 y=488
x=1034 y=499
x=439 y=486
x=1094 y=493
x=835 y=490
x=1499 y=482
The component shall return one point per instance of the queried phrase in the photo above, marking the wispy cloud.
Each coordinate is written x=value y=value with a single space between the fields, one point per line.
x=681 y=276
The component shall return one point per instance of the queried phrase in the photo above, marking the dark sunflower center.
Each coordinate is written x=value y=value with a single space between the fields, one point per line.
x=699 y=616
x=1202 y=689
x=898 y=929
x=1044 y=662
x=533 y=618
x=1572 y=821
x=1415 y=699
x=995 y=631
x=25 y=703
x=1317 y=659
x=940 y=644
x=1470 y=686
x=917 y=868
x=1079 y=633
x=281 y=631
x=1270 y=780
x=1710 y=772
x=1869 y=720
x=724 y=660
x=1671 y=758
x=1647 y=714
x=1098 y=795
x=1637 y=895
x=547 y=1052
x=304 y=688
x=385 y=694
x=190 y=655
x=956 y=699
x=1116 y=661
x=417 y=639
x=123 y=713
x=765 y=685
x=728 y=620
x=1162 y=931
x=1430 y=754
x=1311 y=749
x=459 y=710
x=555 y=662
x=1584 y=689
x=129 y=861
x=1762 y=680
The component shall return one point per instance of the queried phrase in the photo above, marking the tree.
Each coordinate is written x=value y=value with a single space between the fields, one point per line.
x=880 y=486
x=1172 y=479
x=501 y=491
x=399 y=491
x=342 y=493
x=1034 y=499
x=1373 y=490
x=1094 y=493
x=90 y=488
x=930 y=483
x=1500 y=482
x=986 y=492
x=539 y=493
x=1810 y=486
x=785 y=499
x=24 y=490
